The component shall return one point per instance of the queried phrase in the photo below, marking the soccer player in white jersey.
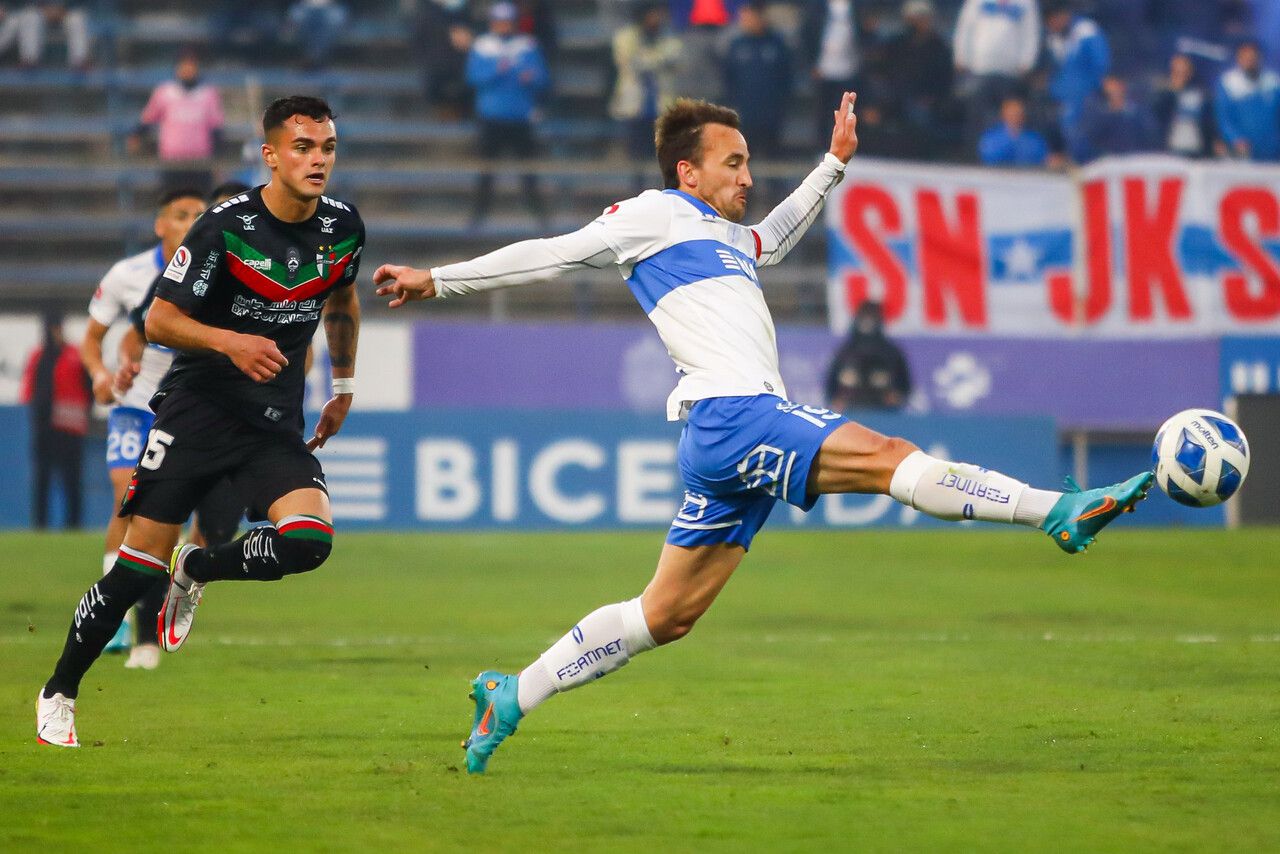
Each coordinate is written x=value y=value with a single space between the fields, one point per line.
x=744 y=446
x=121 y=290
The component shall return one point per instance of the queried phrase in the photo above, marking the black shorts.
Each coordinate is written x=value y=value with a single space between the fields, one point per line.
x=218 y=514
x=195 y=443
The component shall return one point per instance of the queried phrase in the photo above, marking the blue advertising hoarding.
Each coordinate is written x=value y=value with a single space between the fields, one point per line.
x=490 y=469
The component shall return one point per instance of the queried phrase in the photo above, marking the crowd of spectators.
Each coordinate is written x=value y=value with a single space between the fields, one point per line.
x=25 y=26
x=1004 y=82
x=1035 y=83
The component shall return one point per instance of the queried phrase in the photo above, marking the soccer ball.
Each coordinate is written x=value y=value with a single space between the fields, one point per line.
x=1201 y=457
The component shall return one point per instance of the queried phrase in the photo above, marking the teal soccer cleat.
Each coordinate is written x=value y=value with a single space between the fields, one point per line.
x=123 y=638
x=497 y=716
x=1079 y=515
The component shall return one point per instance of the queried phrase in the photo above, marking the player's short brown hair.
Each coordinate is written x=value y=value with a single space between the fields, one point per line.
x=295 y=105
x=678 y=134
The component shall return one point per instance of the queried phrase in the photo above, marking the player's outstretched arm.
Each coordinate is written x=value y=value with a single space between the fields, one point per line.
x=258 y=358
x=782 y=229
x=342 y=330
x=523 y=263
x=403 y=284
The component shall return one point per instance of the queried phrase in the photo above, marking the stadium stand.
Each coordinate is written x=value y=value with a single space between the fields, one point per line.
x=72 y=202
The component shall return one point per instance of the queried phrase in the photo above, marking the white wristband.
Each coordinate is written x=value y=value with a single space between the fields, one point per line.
x=344 y=385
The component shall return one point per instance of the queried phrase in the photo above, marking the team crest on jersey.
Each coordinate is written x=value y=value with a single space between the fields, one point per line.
x=326 y=223
x=247 y=219
x=325 y=259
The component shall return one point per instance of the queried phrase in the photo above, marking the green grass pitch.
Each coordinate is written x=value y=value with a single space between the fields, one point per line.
x=931 y=691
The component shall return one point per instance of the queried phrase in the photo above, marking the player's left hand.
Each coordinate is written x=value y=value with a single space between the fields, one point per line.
x=331 y=418
x=844 y=136
x=405 y=284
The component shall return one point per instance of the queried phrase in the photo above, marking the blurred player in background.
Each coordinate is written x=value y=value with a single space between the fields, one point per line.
x=121 y=290
x=240 y=301
x=692 y=267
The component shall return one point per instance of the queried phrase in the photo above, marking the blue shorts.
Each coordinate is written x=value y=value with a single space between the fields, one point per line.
x=127 y=430
x=738 y=456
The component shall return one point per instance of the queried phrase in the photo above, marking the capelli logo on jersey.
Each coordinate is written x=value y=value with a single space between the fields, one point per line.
x=326 y=223
x=247 y=219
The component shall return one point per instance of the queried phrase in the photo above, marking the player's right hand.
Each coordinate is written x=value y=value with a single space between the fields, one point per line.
x=259 y=358
x=103 y=383
x=125 y=374
x=403 y=284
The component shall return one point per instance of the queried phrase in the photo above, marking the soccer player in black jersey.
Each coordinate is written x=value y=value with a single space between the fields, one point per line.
x=240 y=301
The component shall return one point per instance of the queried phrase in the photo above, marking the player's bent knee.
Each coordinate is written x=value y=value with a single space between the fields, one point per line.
x=303 y=555
x=673 y=631
x=895 y=449
x=672 y=625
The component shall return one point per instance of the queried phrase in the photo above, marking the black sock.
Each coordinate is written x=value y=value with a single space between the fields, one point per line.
x=265 y=554
x=98 y=616
x=149 y=611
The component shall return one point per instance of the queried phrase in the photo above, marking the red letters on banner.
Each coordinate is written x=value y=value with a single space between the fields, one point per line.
x=1235 y=206
x=951 y=259
x=950 y=248
x=861 y=204
x=1097 y=252
x=1149 y=249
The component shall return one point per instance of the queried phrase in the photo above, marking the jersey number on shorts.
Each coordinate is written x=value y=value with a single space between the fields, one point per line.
x=124 y=445
x=815 y=415
x=158 y=442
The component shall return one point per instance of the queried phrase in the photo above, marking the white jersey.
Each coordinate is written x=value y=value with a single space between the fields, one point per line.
x=694 y=274
x=121 y=290
x=692 y=271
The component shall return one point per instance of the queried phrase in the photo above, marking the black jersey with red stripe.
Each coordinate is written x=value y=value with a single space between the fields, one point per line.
x=242 y=269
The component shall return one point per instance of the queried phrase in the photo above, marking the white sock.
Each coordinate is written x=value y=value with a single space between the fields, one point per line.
x=957 y=491
x=605 y=640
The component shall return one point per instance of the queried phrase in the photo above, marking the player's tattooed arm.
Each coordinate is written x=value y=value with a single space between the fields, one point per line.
x=257 y=357
x=342 y=331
